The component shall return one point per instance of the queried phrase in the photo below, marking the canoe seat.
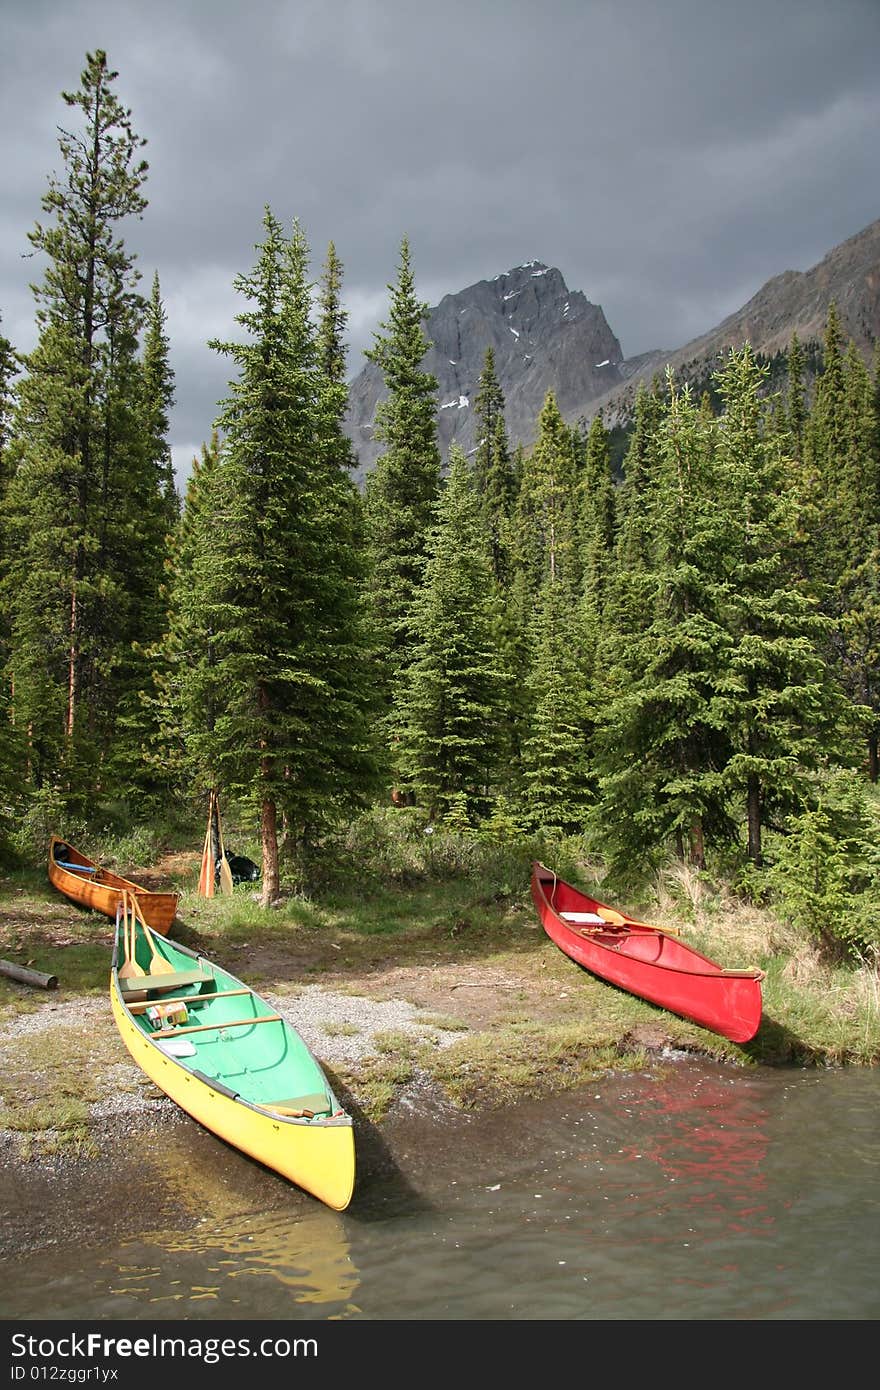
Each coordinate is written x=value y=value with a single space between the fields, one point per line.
x=584 y=918
x=137 y=984
x=316 y=1104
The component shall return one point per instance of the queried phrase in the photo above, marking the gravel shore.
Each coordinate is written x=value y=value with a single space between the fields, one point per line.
x=340 y=1029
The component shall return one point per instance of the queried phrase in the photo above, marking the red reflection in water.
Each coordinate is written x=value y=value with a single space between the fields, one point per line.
x=711 y=1139
x=715 y=1132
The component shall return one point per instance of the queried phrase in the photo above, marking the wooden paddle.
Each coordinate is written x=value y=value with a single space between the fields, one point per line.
x=129 y=967
x=225 y=871
x=206 y=872
x=159 y=964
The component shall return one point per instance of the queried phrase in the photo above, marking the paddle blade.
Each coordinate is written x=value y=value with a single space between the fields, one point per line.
x=226 y=884
x=225 y=871
x=130 y=966
x=206 y=871
x=159 y=964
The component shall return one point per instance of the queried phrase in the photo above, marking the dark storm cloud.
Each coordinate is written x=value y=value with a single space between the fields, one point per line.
x=668 y=158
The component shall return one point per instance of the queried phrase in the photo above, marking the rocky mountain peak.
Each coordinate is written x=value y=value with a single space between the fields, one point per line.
x=543 y=335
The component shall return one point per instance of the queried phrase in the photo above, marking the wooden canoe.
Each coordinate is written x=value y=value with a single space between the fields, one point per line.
x=229 y=1060
x=89 y=885
x=647 y=961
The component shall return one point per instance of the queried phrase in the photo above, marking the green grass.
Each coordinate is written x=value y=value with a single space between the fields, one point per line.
x=383 y=897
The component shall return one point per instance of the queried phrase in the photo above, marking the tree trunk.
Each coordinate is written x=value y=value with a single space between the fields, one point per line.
x=269 y=840
x=753 y=804
x=698 y=849
x=679 y=843
x=71 y=668
x=872 y=755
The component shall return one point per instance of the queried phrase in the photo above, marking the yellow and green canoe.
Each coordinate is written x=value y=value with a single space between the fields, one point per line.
x=229 y=1060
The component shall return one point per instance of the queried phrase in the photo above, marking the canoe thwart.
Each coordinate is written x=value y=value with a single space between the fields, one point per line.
x=203 y=1027
x=189 y=999
x=751 y=974
x=177 y=979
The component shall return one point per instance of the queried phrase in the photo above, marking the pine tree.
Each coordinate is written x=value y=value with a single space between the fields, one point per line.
x=631 y=591
x=81 y=487
x=856 y=642
x=825 y=431
x=557 y=779
x=453 y=711
x=784 y=707
x=8 y=367
x=661 y=743
x=546 y=505
x=402 y=490
x=596 y=527
x=276 y=588
x=182 y=690
x=158 y=401
x=351 y=751
x=11 y=752
x=542 y=549
x=493 y=468
x=639 y=467
x=796 y=414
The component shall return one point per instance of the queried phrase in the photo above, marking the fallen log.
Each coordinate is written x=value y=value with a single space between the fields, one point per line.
x=28 y=977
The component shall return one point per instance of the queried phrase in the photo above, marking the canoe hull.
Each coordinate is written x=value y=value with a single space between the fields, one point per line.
x=315 y=1153
x=101 y=890
x=647 y=962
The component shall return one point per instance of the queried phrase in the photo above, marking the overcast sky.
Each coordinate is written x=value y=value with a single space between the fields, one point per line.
x=668 y=156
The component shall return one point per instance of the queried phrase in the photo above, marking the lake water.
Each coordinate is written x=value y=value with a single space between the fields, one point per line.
x=691 y=1192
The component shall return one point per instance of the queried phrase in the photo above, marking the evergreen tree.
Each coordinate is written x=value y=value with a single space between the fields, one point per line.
x=81 y=490
x=557 y=780
x=825 y=431
x=661 y=742
x=543 y=547
x=857 y=590
x=596 y=525
x=493 y=468
x=454 y=706
x=639 y=467
x=402 y=490
x=631 y=590
x=158 y=401
x=546 y=506
x=351 y=753
x=796 y=415
x=784 y=708
x=11 y=758
x=182 y=692
x=276 y=587
x=8 y=366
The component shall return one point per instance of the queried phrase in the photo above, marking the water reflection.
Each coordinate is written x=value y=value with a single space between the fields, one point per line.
x=303 y=1248
x=693 y=1192
x=307 y=1258
x=712 y=1138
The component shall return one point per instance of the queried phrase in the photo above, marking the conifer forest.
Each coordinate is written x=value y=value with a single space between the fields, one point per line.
x=678 y=656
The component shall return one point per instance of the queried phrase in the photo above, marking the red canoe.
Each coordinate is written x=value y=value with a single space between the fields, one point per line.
x=647 y=961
